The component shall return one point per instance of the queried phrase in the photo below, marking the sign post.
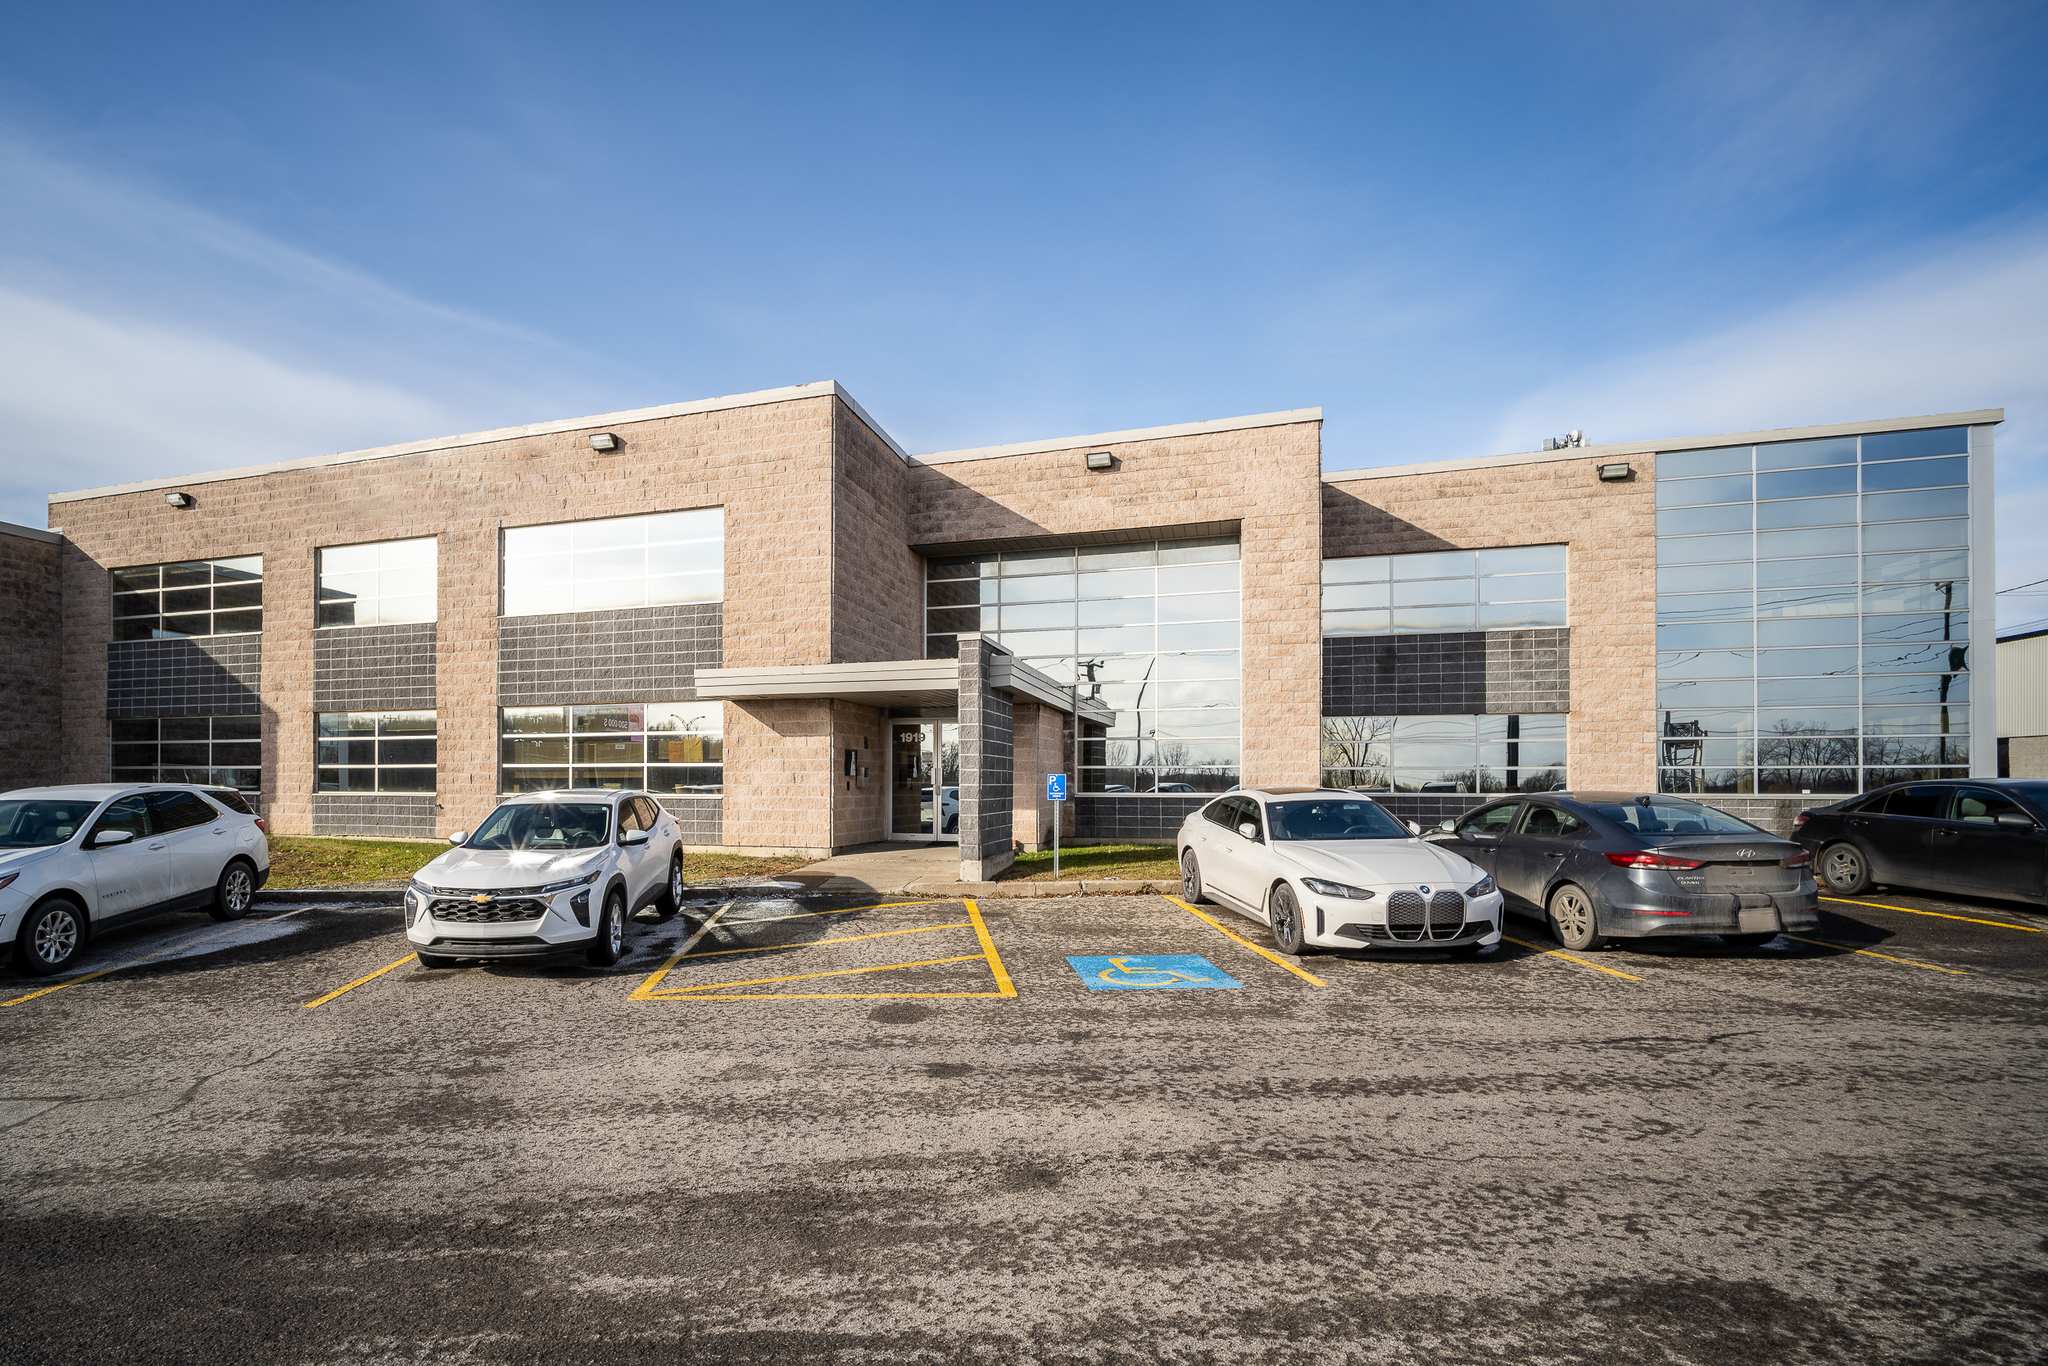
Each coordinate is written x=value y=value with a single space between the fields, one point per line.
x=1055 y=791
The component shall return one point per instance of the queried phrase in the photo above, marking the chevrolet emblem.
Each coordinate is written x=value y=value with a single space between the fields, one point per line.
x=480 y=899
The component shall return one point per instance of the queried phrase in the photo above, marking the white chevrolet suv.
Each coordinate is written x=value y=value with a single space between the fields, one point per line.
x=1326 y=869
x=546 y=874
x=80 y=859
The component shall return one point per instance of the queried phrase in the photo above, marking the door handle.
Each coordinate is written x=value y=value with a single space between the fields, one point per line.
x=220 y=829
x=158 y=845
x=1553 y=853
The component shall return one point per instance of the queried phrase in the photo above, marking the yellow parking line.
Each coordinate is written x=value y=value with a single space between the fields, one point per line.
x=1570 y=958
x=849 y=910
x=1228 y=933
x=1957 y=972
x=641 y=992
x=1939 y=915
x=842 y=939
x=672 y=992
x=1004 y=986
x=150 y=957
x=339 y=991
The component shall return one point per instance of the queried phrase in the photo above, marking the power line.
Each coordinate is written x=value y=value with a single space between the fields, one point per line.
x=2018 y=586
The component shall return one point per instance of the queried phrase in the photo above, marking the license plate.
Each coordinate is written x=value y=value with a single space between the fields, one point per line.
x=1758 y=922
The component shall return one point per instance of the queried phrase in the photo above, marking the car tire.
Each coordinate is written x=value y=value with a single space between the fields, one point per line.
x=235 y=893
x=671 y=899
x=1283 y=916
x=610 y=945
x=952 y=826
x=51 y=938
x=1749 y=941
x=1191 y=880
x=435 y=960
x=1844 y=870
x=1573 y=919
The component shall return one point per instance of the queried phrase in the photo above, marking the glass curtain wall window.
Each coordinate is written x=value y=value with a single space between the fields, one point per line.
x=1813 y=613
x=669 y=748
x=1444 y=590
x=378 y=585
x=191 y=598
x=220 y=751
x=1445 y=753
x=1148 y=629
x=669 y=557
x=375 y=751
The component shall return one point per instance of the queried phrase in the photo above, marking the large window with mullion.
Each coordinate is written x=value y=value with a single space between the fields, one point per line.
x=376 y=751
x=188 y=598
x=647 y=561
x=668 y=748
x=1445 y=754
x=384 y=583
x=1147 y=629
x=1813 y=614
x=1503 y=588
x=217 y=751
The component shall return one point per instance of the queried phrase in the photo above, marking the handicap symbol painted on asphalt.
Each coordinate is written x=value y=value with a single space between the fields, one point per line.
x=1149 y=973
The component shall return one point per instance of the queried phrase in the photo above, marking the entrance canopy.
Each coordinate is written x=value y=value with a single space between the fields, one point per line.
x=925 y=687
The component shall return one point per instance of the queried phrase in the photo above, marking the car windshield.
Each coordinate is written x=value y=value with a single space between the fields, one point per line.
x=544 y=825
x=39 y=824
x=1332 y=819
x=1673 y=818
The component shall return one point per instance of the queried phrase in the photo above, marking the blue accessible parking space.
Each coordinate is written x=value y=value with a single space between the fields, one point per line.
x=1155 y=972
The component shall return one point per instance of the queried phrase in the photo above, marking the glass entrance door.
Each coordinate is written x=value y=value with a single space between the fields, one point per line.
x=921 y=808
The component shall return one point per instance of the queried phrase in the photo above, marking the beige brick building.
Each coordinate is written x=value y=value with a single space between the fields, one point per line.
x=800 y=636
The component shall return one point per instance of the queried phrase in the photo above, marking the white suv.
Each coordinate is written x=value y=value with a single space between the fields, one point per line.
x=81 y=859
x=1328 y=870
x=546 y=874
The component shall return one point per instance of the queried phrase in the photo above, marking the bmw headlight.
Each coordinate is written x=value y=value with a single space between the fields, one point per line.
x=1483 y=887
x=1348 y=892
x=572 y=883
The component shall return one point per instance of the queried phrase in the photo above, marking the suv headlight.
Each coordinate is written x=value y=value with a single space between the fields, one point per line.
x=1483 y=887
x=1345 y=890
x=572 y=883
x=415 y=902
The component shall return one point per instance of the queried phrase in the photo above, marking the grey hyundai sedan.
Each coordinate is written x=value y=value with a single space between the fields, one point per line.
x=1599 y=865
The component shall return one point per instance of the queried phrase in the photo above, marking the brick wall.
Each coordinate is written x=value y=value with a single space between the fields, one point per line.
x=858 y=813
x=1266 y=478
x=1447 y=673
x=768 y=465
x=778 y=775
x=31 y=678
x=375 y=668
x=1610 y=529
x=877 y=580
x=987 y=764
x=1039 y=737
x=638 y=654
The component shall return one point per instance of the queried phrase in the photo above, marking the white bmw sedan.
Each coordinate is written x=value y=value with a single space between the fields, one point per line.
x=1326 y=869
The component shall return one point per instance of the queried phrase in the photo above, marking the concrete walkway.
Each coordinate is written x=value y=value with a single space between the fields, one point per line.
x=934 y=870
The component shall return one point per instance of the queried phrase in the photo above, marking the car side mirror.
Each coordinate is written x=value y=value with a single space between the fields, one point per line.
x=458 y=837
x=1413 y=828
x=1248 y=830
x=2012 y=820
x=1448 y=827
x=633 y=837
x=107 y=839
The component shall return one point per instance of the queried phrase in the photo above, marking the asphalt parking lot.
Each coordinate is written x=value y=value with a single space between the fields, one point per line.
x=822 y=1130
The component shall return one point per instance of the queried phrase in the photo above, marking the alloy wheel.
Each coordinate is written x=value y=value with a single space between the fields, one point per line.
x=1844 y=868
x=238 y=890
x=1571 y=915
x=1190 y=879
x=56 y=936
x=675 y=884
x=615 y=928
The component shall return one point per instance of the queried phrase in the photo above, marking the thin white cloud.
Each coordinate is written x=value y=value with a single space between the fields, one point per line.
x=1969 y=330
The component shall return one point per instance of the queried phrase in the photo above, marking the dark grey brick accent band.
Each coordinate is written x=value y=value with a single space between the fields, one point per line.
x=987 y=765
x=702 y=819
x=1448 y=673
x=638 y=654
x=375 y=668
x=1132 y=818
x=213 y=676
x=375 y=815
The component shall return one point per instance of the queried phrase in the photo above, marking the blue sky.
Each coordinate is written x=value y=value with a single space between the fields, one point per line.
x=232 y=234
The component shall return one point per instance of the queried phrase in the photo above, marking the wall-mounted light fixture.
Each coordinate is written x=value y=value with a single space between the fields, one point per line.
x=603 y=441
x=1613 y=473
x=1101 y=460
x=178 y=500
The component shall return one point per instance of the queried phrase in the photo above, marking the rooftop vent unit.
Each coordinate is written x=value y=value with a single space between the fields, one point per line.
x=1574 y=437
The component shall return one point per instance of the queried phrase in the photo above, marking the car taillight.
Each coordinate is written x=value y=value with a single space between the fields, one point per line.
x=1651 y=861
x=1802 y=859
x=263 y=825
x=1801 y=819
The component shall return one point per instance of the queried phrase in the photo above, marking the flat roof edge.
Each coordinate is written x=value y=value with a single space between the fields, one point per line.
x=30 y=533
x=1972 y=418
x=1073 y=443
x=819 y=389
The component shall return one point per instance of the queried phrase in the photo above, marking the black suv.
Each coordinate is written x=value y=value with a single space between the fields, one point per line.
x=1985 y=837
